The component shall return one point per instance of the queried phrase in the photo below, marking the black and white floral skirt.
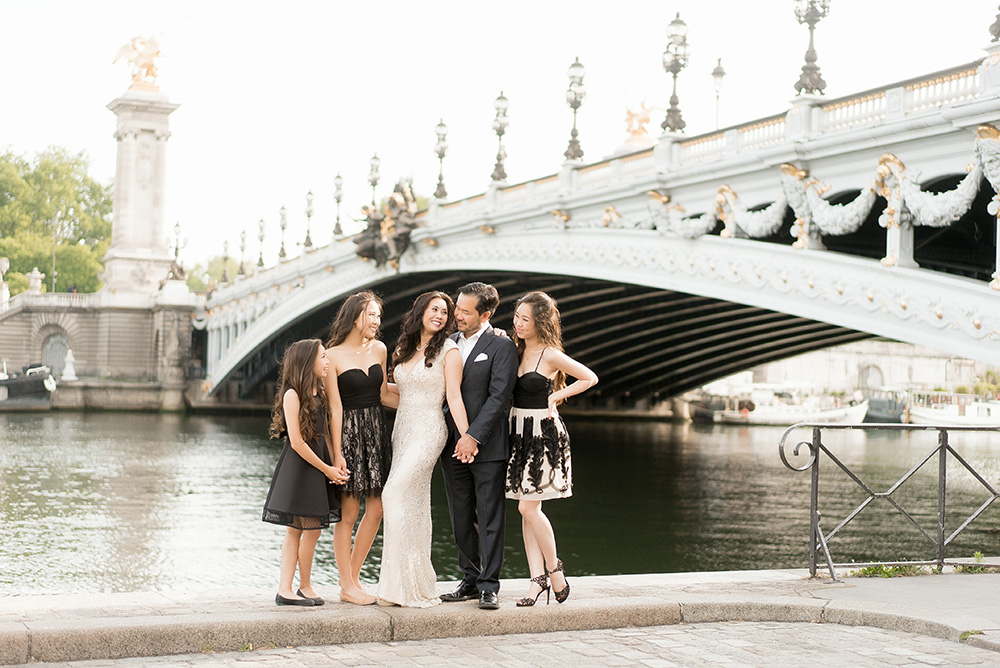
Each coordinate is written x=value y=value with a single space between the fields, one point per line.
x=540 y=466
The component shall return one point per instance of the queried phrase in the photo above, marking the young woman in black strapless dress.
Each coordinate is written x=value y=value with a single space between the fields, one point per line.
x=540 y=467
x=360 y=436
x=300 y=496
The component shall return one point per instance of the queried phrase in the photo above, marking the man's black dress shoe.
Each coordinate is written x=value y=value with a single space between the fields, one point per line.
x=489 y=600
x=281 y=600
x=466 y=592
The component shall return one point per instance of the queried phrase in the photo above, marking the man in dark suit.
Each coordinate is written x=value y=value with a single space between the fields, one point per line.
x=475 y=463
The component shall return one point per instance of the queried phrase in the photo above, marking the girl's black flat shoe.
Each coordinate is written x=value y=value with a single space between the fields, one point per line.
x=281 y=600
x=315 y=599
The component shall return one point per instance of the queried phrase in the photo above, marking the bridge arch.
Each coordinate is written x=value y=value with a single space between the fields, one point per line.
x=654 y=315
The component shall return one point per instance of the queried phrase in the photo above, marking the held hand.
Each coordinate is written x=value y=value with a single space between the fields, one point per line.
x=340 y=464
x=466 y=449
x=500 y=332
x=334 y=475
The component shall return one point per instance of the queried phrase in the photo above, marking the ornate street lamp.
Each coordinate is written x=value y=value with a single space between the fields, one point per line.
x=242 y=271
x=177 y=242
x=675 y=58
x=810 y=12
x=338 y=195
x=439 y=149
x=283 y=223
x=225 y=262
x=501 y=104
x=717 y=75
x=574 y=98
x=309 y=216
x=373 y=175
x=260 y=238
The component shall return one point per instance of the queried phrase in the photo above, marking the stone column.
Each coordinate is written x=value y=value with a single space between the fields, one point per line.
x=138 y=259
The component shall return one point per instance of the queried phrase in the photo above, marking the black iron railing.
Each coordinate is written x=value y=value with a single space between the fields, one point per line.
x=818 y=541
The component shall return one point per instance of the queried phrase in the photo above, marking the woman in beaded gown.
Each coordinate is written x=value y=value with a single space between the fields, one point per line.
x=427 y=369
x=360 y=436
x=540 y=466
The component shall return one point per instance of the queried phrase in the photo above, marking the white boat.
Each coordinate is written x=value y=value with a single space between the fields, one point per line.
x=736 y=400
x=955 y=410
x=788 y=414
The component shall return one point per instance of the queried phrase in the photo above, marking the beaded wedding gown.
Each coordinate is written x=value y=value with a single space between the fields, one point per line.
x=407 y=576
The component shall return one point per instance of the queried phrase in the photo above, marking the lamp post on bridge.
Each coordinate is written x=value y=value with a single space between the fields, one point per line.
x=309 y=215
x=338 y=195
x=373 y=175
x=242 y=271
x=177 y=243
x=675 y=59
x=260 y=238
x=225 y=262
x=282 y=223
x=574 y=98
x=810 y=12
x=501 y=104
x=717 y=75
x=440 y=148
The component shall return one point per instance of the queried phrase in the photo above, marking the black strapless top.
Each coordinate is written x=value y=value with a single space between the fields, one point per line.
x=359 y=388
x=532 y=390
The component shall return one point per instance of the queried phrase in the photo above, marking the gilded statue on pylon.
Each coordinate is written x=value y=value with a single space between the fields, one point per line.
x=141 y=54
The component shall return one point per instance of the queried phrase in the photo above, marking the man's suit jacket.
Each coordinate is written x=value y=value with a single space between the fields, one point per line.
x=487 y=383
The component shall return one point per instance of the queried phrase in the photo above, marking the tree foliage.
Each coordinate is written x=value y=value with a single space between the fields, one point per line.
x=206 y=277
x=47 y=201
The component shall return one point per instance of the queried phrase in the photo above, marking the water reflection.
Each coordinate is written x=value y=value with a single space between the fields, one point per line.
x=131 y=502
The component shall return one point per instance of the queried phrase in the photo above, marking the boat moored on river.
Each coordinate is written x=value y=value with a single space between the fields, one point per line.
x=770 y=404
x=31 y=387
x=952 y=409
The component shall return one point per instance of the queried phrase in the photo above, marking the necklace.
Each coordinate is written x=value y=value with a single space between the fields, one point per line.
x=422 y=347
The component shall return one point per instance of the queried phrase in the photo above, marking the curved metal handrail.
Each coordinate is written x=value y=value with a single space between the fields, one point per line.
x=818 y=540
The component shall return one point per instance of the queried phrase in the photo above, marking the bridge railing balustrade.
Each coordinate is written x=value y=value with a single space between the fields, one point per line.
x=845 y=114
x=52 y=299
x=637 y=164
x=947 y=88
x=762 y=133
x=597 y=175
x=819 y=541
x=701 y=149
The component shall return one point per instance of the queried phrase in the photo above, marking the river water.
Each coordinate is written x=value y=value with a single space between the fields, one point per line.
x=116 y=502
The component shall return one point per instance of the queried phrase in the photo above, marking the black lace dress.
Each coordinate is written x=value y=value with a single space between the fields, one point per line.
x=300 y=495
x=364 y=437
x=540 y=467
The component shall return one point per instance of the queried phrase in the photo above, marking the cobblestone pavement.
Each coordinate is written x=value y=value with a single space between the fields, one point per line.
x=718 y=645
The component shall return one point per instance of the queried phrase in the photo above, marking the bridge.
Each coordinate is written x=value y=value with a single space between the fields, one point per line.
x=871 y=215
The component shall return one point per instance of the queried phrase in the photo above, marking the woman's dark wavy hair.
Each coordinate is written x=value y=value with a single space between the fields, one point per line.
x=348 y=314
x=297 y=374
x=545 y=313
x=409 y=331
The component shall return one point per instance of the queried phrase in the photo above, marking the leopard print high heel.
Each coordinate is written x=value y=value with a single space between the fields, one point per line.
x=561 y=596
x=543 y=582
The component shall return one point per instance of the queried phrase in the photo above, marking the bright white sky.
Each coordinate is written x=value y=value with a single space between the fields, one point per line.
x=278 y=97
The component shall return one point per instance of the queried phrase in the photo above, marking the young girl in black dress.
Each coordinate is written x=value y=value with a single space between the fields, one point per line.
x=300 y=497
x=360 y=435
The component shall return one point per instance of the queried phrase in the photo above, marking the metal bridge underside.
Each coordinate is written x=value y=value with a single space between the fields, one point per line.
x=642 y=342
